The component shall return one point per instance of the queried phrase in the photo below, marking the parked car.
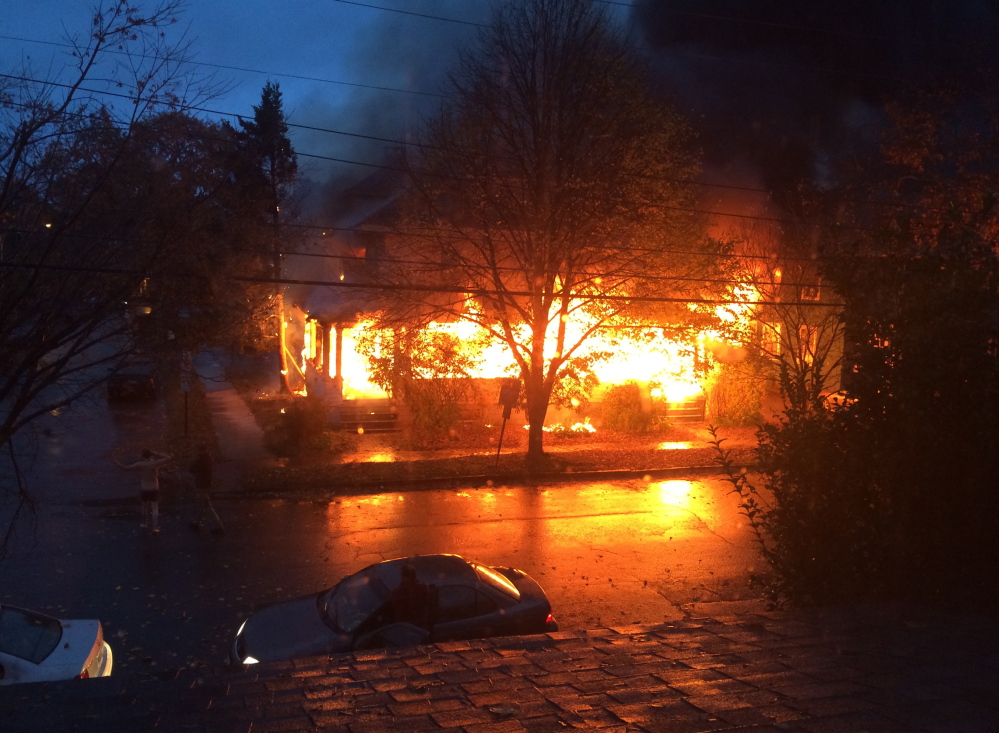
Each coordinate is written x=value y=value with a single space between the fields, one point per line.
x=466 y=600
x=39 y=648
x=135 y=380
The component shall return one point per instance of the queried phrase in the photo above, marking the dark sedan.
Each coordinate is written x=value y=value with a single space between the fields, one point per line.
x=135 y=380
x=465 y=599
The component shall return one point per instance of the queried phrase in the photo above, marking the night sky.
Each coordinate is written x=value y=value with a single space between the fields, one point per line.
x=342 y=49
x=774 y=87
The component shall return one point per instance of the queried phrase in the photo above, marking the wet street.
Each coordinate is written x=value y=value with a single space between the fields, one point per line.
x=607 y=554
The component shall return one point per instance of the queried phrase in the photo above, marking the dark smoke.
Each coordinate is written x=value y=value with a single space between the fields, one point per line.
x=400 y=52
x=789 y=85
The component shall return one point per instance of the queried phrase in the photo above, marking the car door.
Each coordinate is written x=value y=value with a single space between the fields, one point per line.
x=465 y=612
x=14 y=669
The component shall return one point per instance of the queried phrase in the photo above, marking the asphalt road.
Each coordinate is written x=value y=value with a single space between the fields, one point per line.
x=607 y=553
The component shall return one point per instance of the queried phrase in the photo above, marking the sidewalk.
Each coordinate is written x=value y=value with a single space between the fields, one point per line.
x=847 y=671
x=240 y=439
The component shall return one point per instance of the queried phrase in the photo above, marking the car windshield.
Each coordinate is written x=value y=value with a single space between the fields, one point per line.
x=27 y=635
x=497 y=581
x=354 y=599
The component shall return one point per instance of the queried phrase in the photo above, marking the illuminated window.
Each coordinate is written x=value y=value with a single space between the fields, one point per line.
x=770 y=338
x=809 y=292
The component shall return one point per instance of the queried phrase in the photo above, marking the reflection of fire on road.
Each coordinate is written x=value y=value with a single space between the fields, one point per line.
x=681 y=495
x=676 y=493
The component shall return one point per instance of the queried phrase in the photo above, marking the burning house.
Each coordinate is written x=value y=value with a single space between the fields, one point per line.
x=336 y=329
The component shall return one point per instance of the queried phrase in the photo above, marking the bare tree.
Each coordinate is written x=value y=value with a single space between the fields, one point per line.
x=73 y=245
x=799 y=329
x=551 y=191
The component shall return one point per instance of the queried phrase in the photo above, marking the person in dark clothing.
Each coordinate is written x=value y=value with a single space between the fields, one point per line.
x=201 y=469
x=410 y=601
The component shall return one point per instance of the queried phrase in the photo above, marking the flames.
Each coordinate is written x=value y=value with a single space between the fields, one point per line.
x=672 y=369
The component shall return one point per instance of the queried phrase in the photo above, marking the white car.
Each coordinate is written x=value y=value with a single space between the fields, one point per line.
x=38 y=648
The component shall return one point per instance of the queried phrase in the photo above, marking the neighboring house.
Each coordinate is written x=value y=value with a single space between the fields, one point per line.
x=799 y=326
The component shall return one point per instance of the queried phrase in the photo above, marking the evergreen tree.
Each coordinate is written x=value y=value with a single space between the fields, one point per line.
x=266 y=142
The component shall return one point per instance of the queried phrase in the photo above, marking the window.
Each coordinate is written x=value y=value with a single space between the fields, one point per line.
x=455 y=602
x=351 y=602
x=770 y=338
x=484 y=604
x=27 y=635
x=809 y=292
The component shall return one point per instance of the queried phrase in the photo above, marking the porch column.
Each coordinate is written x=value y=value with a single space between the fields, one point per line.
x=338 y=374
x=324 y=334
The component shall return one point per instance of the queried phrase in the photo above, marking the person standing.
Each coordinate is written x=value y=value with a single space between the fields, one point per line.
x=149 y=485
x=410 y=601
x=202 y=469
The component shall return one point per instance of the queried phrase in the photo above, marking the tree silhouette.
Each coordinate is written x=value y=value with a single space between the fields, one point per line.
x=549 y=182
x=266 y=141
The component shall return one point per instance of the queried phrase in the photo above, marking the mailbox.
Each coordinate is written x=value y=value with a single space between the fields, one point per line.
x=509 y=396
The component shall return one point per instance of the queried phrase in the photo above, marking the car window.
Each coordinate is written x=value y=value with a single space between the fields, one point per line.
x=455 y=602
x=499 y=582
x=355 y=599
x=484 y=604
x=28 y=635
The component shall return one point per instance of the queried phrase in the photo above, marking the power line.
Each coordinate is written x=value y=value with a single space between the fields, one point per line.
x=707 y=16
x=395 y=287
x=444 y=266
x=300 y=77
x=347 y=161
x=410 y=12
x=704 y=212
x=776 y=259
x=122 y=95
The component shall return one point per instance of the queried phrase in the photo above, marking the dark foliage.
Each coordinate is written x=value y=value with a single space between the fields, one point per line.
x=891 y=495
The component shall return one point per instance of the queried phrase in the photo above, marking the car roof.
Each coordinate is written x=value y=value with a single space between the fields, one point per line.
x=429 y=569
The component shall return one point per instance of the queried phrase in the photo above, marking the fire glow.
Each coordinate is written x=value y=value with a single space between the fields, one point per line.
x=640 y=354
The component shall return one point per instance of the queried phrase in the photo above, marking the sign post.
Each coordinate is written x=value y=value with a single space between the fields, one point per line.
x=185 y=381
x=509 y=397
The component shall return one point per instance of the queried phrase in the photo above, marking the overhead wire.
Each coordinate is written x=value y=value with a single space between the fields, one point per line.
x=280 y=74
x=399 y=287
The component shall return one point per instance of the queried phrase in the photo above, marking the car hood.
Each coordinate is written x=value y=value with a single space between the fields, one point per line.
x=289 y=630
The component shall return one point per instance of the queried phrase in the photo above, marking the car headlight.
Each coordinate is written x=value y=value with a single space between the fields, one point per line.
x=250 y=660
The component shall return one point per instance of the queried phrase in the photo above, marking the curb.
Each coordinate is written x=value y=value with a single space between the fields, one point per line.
x=476 y=481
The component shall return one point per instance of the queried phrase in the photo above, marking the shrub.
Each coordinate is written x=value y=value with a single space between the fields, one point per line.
x=736 y=391
x=622 y=410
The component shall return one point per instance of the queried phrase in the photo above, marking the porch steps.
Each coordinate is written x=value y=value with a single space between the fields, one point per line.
x=691 y=410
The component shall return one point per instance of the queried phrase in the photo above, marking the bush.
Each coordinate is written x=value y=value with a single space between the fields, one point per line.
x=622 y=410
x=736 y=391
x=303 y=429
